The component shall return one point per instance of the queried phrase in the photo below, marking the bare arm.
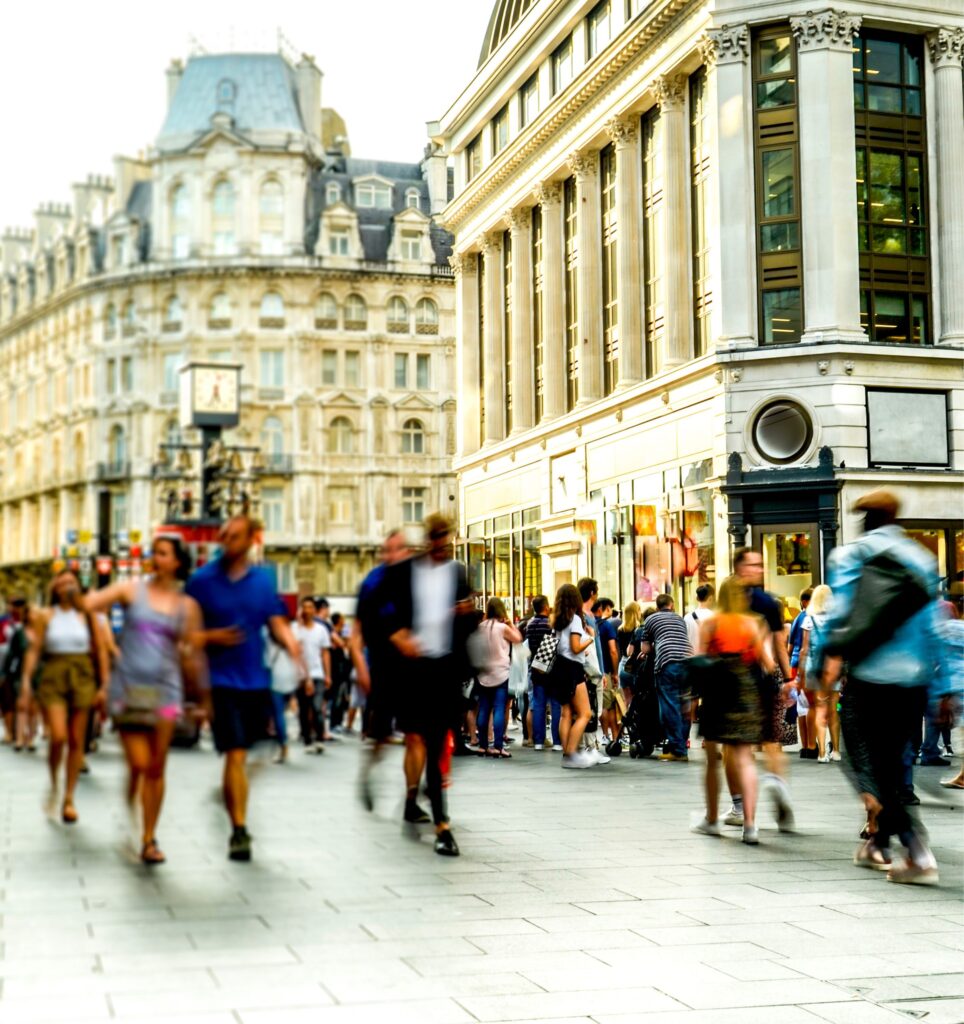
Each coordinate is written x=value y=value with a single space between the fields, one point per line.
x=35 y=630
x=780 y=649
x=100 y=600
x=281 y=631
x=356 y=647
x=613 y=653
x=802 y=663
x=405 y=643
x=326 y=664
x=577 y=645
x=512 y=634
x=707 y=627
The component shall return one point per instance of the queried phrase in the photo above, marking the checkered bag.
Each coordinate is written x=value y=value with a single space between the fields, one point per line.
x=545 y=656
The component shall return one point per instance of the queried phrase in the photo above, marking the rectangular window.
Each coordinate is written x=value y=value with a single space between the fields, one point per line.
x=272 y=509
x=776 y=139
x=127 y=374
x=272 y=368
x=338 y=242
x=423 y=374
x=699 y=194
x=411 y=245
x=118 y=512
x=610 y=273
x=563 y=70
x=341 y=505
x=529 y=101
x=413 y=504
x=907 y=428
x=473 y=158
x=500 y=131
x=329 y=367
x=352 y=369
x=373 y=196
x=654 y=216
x=112 y=376
x=599 y=29
x=570 y=236
x=172 y=363
x=401 y=369
x=538 y=344
x=507 y=325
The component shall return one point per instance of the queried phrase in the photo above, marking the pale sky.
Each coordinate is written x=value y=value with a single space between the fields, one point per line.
x=81 y=82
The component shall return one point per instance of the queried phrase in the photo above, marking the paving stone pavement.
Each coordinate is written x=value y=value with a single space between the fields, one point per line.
x=579 y=897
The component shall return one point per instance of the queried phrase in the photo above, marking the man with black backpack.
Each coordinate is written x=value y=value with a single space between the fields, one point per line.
x=885 y=626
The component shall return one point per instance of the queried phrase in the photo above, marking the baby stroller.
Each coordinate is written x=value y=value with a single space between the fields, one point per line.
x=641 y=721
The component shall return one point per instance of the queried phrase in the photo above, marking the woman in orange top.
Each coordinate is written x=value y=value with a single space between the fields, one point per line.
x=731 y=712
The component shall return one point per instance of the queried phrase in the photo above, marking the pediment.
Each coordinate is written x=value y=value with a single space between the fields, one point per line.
x=414 y=401
x=223 y=135
x=341 y=399
x=373 y=179
x=411 y=216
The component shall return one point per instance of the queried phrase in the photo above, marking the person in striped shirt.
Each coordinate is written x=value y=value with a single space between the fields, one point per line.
x=665 y=632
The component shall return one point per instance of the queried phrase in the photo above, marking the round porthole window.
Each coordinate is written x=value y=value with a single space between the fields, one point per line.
x=782 y=432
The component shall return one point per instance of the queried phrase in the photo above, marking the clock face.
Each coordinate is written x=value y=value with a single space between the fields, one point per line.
x=215 y=390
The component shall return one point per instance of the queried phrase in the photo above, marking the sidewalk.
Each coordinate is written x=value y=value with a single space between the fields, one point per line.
x=579 y=896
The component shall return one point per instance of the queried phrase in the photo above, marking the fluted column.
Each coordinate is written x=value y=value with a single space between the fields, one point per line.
x=523 y=380
x=585 y=167
x=549 y=197
x=946 y=48
x=467 y=351
x=726 y=53
x=629 y=258
x=493 y=342
x=828 y=169
x=677 y=346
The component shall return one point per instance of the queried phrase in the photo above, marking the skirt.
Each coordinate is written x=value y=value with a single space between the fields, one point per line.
x=732 y=709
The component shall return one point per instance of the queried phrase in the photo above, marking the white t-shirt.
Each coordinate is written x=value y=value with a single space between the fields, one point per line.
x=693 y=625
x=433 y=595
x=575 y=628
x=313 y=639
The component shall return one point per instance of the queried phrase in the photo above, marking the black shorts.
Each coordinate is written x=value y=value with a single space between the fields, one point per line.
x=565 y=676
x=429 y=696
x=240 y=717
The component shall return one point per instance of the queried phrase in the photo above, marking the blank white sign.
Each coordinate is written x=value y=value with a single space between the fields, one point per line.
x=907 y=428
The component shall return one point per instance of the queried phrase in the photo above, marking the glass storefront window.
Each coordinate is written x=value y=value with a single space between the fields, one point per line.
x=788 y=566
x=504 y=559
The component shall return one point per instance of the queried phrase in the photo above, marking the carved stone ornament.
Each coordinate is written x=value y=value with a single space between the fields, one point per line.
x=584 y=165
x=728 y=44
x=823 y=367
x=462 y=263
x=669 y=91
x=624 y=131
x=946 y=47
x=549 y=193
x=822 y=30
x=489 y=244
x=519 y=219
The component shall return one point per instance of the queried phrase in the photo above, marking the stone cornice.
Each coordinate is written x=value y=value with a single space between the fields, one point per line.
x=946 y=47
x=825 y=30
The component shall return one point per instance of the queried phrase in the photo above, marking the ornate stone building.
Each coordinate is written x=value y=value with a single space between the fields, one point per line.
x=709 y=260
x=245 y=235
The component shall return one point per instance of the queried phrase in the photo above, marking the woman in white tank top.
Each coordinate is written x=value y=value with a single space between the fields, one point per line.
x=66 y=644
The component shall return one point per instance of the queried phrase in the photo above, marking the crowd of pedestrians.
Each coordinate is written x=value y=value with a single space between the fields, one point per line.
x=868 y=672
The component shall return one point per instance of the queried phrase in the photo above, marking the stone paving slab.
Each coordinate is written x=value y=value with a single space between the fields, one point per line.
x=580 y=898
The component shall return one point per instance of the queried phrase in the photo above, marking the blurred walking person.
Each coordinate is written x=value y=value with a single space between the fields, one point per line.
x=146 y=694
x=886 y=626
x=314 y=638
x=67 y=646
x=11 y=674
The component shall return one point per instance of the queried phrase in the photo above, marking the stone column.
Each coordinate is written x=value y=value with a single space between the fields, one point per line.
x=493 y=342
x=677 y=344
x=946 y=51
x=549 y=197
x=624 y=133
x=585 y=167
x=726 y=53
x=523 y=381
x=828 y=169
x=467 y=352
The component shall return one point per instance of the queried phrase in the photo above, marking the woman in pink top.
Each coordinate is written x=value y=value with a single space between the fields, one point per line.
x=499 y=634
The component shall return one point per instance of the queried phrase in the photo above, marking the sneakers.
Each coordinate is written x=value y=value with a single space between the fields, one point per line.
x=751 y=835
x=824 y=760
x=239 y=845
x=597 y=756
x=670 y=756
x=318 y=748
x=780 y=794
x=445 y=844
x=734 y=816
x=911 y=874
x=870 y=856
x=414 y=814
x=835 y=755
x=578 y=760
x=935 y=762
x=556 y=746
x=706 y=828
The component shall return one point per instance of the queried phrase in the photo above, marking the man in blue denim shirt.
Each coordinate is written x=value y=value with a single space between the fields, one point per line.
x=888 y=690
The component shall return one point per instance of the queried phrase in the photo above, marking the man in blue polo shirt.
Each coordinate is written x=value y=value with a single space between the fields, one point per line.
x=237 y=600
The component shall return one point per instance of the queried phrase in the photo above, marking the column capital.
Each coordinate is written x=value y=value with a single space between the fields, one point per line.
x=946 y=47
x=549 y=193
x=825 y=30
x=490 y=243
x=623 y=131
x=463 y=263
x=728 y=44
x=669 y=90
x=584 y=165
x=519 y=219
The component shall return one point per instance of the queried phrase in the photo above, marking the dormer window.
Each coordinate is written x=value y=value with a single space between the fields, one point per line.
x=411 y=245
x=373 y=195
x=227 y=91
x=413 y=199
x=332 y=193
x=338 y=242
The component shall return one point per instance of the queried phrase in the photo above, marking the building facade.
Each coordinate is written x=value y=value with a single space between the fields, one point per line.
x=246 y=235
x=709 y=259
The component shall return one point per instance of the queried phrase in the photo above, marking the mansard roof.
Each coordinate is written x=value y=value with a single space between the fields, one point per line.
x=506 y=14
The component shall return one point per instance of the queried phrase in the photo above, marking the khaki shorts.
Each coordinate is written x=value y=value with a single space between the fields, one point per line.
x=613 y=698
x=67 y=679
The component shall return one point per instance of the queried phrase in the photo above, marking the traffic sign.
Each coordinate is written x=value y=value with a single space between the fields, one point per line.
x=71 y=536
x=135 y=536
x=85 y=537
x=104 y=565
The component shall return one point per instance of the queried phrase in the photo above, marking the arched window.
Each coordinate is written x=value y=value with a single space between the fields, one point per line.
x=271 y=206
x=413 y=199
x=220 y=314
x=272 y=312
x=173 y=313
x=110 y=321
x=426 y=317
x=272 y=436
x=397 y=315
x=413 y=437
x=340 y=436
x=117 y=447
x=356 y=313
x=180 y=223
x=332 y=193
x=326 y=312
x=222 y=206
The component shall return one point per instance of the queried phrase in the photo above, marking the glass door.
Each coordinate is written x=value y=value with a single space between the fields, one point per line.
x=791 y=559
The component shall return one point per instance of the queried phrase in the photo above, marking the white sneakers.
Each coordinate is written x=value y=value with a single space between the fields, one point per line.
x=580 y=759
x=706 y=828
x=597 y=756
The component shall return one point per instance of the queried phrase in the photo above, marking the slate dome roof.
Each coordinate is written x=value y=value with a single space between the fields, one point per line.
x=506 y=14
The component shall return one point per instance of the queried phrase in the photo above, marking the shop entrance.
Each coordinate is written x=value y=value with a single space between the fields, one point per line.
x=791 y=561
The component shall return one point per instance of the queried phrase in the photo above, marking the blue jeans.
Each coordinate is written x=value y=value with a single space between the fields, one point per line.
x=492 y=701
x=539 y=697
x=279 y=702
x=668 y=682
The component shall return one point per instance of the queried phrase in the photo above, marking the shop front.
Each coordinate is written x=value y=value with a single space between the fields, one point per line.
x=504 y=560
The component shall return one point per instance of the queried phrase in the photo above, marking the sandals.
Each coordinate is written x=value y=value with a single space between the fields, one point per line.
x=482 y=752
x=499 y=755
x=151 y=853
